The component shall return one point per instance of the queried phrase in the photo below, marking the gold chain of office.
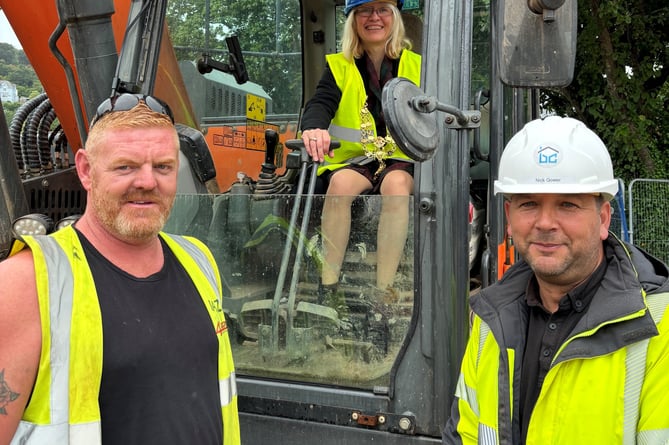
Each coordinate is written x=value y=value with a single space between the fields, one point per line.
x=375 y=147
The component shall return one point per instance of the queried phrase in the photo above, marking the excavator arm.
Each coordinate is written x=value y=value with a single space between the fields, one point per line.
x=83 y=50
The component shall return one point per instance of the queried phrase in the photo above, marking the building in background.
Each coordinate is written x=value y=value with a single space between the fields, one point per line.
x=8 y=92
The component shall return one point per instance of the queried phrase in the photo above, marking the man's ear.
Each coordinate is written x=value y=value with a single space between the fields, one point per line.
x=605 y=220
x=83 y=165
x=507 y=204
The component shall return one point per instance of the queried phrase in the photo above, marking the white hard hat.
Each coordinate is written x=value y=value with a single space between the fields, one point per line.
x=556 y=155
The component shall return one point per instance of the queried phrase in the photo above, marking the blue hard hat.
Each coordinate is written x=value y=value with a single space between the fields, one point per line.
x=350 y=4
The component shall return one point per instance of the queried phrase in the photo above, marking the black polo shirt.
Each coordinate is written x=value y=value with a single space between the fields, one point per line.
x=546 y=332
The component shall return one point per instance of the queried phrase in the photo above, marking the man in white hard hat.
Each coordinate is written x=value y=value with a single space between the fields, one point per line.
x=570 y=346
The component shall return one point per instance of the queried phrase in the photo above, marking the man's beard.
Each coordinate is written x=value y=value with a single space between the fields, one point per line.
x=132 y=225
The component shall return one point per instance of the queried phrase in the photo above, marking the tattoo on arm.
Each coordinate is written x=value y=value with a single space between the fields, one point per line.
x=6 y=394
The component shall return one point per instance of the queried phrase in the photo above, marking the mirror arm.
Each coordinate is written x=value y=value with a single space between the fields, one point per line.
x=428 y=104
x=236 y=65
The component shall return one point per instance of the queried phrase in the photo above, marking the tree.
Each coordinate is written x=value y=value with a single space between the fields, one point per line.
x=269 y=39
x=8 y=54
x=620 y=87
x=15 y=68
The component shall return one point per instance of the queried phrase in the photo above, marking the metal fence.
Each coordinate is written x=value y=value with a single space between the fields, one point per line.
x=618 y=215
x=648 y=210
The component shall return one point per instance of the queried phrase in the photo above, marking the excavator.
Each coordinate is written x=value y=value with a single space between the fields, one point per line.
x=236 y=75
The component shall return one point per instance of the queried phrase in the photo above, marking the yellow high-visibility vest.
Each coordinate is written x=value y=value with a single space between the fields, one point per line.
x=345 y=125
x=63 y=408
x=607 y=384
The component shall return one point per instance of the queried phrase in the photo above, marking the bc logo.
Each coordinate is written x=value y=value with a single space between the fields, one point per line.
x=547 y=156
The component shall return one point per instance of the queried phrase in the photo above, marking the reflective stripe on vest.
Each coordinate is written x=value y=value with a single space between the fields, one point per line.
x=61 y=294
x=465 y=392
x=228 y=389
x=653 y=437
x=227 y=381
x=344 y=133
x=635 y=370
x=487 y=435
x=199 y=261
x=484 y=331
x=82 y=434
x=56 y=424
x=346 y=123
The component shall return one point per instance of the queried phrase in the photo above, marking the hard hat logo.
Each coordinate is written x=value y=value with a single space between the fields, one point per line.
x=556 y=155
x=548 y=156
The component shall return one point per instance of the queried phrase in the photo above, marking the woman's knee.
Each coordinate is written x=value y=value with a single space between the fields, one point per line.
x=347 y=183
x=397 y=182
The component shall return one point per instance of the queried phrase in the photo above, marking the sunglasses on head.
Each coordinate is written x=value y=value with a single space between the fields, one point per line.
x=128 y=101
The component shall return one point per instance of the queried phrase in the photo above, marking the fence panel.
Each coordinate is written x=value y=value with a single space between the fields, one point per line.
x=618 y=216
x=649 y=216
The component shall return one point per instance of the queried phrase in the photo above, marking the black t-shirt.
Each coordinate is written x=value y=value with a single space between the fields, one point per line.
x=160 y=357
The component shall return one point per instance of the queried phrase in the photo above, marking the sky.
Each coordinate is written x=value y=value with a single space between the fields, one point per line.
x=6 y=33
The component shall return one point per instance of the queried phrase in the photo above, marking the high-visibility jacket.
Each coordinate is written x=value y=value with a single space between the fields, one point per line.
x=63 y=408
x=608 y=383
x=345 y=125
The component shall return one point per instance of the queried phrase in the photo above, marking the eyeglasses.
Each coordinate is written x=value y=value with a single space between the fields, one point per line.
x=128 y=101
x=367 y=11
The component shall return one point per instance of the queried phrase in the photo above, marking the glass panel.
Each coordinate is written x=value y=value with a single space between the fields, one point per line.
x=350 y=337
x=480 y=167
x=234 y=116
x=481 y=46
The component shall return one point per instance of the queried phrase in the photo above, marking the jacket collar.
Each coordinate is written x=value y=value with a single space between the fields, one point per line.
x=619 y=304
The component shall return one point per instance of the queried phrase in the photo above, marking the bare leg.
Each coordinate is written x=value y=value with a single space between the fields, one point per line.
x=393 y=226
x=336 y=227
x=344 y=187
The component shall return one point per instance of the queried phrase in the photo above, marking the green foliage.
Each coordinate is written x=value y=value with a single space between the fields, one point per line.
x=15 y=68
x=274 y=223
x=10 y=110
x=481 y=46
x=620 y=82
x=8 y=54
x=269 y=39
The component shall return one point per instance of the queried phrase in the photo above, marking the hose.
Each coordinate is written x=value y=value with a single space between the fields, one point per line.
x=31 y=150
x=16 y=126
x=43 y=145
x=52 y=135
x=60 y=148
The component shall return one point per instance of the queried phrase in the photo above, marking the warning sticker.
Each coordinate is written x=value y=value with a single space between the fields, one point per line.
x=255 y=107
x=255 y=134
x=228 y=136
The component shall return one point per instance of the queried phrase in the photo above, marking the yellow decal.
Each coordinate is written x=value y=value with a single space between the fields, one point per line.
x=255 y=107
